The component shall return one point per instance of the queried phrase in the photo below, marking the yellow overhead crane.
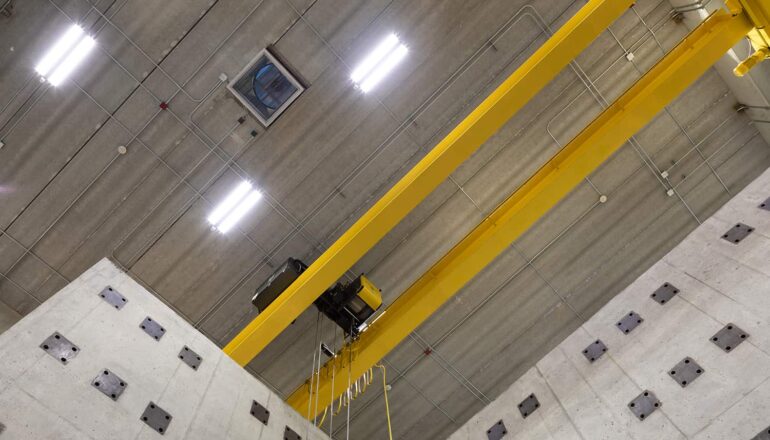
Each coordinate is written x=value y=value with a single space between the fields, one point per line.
x=484 y=121
x=552 y=182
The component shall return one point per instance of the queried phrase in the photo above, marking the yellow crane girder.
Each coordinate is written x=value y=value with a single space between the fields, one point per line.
x=518 y=89
x=551 y=183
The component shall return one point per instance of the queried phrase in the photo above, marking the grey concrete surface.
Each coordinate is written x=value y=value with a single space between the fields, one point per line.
x=69 y=199
x=41 y=398
x=720 y=284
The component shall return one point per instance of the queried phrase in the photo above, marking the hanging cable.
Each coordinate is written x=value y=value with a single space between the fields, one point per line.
x=385 y=393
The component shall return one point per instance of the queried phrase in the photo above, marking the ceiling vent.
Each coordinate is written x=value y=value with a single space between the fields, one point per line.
x=266 y=87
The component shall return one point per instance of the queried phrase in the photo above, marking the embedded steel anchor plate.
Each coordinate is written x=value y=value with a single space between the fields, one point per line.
x=60 y=348
x=644 y=404
x=113 y=297
x=664 y=293
x=156 y=418
x=289 y=434
x=737 y=233
x=152 y=328
x=528 y=406
x=109 y=384
x=189 y=357
x=729 y=337
x=260 y=412
x=765 y=205
x=629 y=321
x=686 y=371
x=497 y=431
x=763 y=435
x=595 y=350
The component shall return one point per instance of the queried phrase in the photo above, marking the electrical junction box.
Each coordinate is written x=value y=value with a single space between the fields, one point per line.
x=265 y=87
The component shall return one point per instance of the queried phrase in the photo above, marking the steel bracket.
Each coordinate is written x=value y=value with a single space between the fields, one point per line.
x=644 y=404
x=113 y=297
x=156 y=418
x=729 y=337
x=497 y=431
x=664 y=293
x=595 y=350
x=152 y=328
x=528 y=406
x=109 y=384
x=686 y=371
x=737 y=233
x=189 y=357
x=289 y=434
x=629 y=322
x=60 y=348
x=260 y=412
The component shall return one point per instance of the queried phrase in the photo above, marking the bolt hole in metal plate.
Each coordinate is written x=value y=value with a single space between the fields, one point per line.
x=664 y=293
x=260 y=412
x=109 y=384
x=528 y=406
x=763 y=435
x=189 y=357
x=152 y=328
x=595 y=350
x=113 y=297
x=628 y=322
x=765 y=205
x=686 y=371
x=60 y=348
x=497 y=431
x=156 y=418
x=644 y=405
x=289 y=434
x=737 y=233
x=729 y=337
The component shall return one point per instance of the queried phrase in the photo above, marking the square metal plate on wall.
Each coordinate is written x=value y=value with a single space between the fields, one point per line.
x=189 y=357
x=497 y=431
x=156 y=418
x=109 y=384
x=762 y=435
x=260 y=412
x=152 y=328
x=765 y=205
x=528 y=405
x=60 y=348
x=729 y=337
x=737 y=233
x=289 y=434
x=686 y=371
x=664 y=293
x=595 y=350
x=644 y=404
x=629 y=321
x=113 y=297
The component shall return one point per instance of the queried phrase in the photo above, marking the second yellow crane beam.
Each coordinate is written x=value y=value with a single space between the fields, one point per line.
x=542 y=67
x=595 y=144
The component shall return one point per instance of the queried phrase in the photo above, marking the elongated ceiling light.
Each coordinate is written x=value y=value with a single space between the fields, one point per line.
x=65 y=55
x=236 y=205
x=379 y=63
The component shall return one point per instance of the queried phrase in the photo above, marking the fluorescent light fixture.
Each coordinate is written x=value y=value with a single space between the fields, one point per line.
x=379 y=63
x=236 y=205
x=65 y=56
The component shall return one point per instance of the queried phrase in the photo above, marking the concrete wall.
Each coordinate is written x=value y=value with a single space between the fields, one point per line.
x=719 y=283
x=42 y=398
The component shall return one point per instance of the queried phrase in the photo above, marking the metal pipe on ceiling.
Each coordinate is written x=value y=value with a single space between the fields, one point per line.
x=469 y=135
x=634 y=109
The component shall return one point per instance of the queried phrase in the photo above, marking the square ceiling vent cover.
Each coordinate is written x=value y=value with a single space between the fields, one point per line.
x=266 y=87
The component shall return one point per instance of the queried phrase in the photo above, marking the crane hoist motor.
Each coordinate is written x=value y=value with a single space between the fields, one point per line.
x=347 y=304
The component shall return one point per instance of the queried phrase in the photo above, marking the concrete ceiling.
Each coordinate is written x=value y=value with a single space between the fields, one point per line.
x=69 y=198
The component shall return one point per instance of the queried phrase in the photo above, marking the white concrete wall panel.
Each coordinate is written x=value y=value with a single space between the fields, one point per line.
x=719 y=283
x=41 y=398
